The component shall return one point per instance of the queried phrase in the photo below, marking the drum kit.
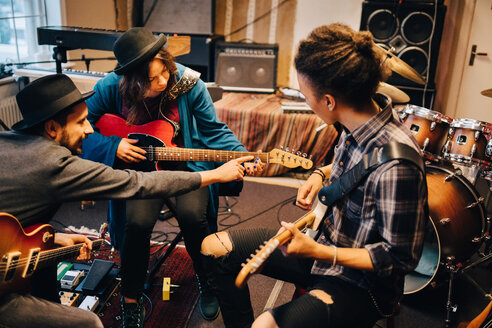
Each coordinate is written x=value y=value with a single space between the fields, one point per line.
x=458 y=156
x=458 y=153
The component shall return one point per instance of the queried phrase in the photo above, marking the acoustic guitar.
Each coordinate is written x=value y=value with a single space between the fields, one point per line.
x=254 y=264
x=24 y=251
x=156 y=139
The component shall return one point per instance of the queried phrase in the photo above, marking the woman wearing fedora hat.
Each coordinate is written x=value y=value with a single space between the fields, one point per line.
x=146 y=86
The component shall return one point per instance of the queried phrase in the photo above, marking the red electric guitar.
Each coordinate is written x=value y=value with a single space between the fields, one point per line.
x=24 y=251
x=156 y=139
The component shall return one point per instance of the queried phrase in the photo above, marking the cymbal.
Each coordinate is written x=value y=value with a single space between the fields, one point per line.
x=487 y=93
x=399 y=66
x=179 y=45
x=396 y=95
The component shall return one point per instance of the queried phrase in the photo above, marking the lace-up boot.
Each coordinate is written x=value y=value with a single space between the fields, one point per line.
x=133 y=313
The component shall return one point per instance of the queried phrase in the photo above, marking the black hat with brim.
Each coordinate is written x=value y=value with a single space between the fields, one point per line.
x=45 y=97
x=135 y=46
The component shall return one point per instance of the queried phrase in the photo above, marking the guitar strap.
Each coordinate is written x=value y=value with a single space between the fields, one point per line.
x=328 y=195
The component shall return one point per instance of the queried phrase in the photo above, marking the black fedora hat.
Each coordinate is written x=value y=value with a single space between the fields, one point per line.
x=135 y=46
x=45 y=97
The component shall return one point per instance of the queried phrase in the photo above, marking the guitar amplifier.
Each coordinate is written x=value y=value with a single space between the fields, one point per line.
x=246 y=67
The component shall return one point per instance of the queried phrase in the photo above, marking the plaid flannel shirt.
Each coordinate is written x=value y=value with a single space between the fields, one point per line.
x=385 y=214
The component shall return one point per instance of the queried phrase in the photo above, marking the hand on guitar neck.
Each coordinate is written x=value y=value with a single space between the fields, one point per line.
x=299 y=244
x=65 y=239
x=230 y=171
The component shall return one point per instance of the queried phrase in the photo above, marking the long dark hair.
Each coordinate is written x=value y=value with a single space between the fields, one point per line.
x=341 y=61
x=134 y=84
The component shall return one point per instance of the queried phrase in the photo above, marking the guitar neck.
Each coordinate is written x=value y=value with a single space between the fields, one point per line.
x=55 y=255
x=200 y=155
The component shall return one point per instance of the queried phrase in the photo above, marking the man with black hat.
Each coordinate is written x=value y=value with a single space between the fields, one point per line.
x=40 y=169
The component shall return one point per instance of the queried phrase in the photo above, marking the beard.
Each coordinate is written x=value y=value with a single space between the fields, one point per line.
x=75 y=147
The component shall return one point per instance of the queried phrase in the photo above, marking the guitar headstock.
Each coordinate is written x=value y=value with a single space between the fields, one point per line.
x=289 y=160
x=255 y=262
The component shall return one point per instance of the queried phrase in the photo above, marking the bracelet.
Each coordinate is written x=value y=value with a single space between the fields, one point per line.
x=335 y=256
x=320 y=172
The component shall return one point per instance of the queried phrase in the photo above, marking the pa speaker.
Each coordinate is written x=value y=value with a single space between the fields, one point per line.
x=246 y=67
x=412 y=30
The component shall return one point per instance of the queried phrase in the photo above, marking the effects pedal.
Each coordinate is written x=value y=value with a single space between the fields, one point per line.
x=89 y=303
x=69 y=298
x=166 y=288
x=71 y=279
x=99 y=269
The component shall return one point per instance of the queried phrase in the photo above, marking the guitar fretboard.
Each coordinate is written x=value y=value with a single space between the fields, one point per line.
x=201 y=155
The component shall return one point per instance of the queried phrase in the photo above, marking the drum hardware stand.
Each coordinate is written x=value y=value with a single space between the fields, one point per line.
x=452 y=269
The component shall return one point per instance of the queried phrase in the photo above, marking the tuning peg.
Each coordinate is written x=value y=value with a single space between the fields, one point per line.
x=281 y=147
x=298 y=153
x=304 y=155
x=287 y=149
x=310 y=156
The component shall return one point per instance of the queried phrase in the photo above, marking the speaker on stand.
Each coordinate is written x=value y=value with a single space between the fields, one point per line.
x=413 y=30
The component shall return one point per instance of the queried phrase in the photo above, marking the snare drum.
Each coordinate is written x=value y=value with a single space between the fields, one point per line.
x=429 y=128
x=467 y=142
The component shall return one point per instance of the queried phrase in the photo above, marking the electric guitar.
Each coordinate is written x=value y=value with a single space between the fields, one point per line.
x=254 y=264
x=156 y=139
x=24 y=251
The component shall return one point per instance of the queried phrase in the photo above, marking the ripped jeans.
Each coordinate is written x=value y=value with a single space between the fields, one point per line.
x=352 y=305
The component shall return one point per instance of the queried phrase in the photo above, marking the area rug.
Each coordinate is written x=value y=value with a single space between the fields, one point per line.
x=172 y=313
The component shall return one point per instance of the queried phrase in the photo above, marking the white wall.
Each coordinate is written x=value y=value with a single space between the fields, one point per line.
x=313 y=13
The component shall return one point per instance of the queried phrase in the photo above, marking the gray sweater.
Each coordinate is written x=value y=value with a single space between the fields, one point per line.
x=37 y=175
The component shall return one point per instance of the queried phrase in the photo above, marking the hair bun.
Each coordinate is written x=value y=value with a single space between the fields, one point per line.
x=363 y=42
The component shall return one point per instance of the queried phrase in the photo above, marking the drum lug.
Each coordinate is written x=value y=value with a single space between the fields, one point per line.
x=476 y=240
x=445 y=221
x=426 y=143
x=477 y=135
x=488 y=149
x=451 y=133
x=446 y=146
x=433 y=126
x=479 y=201
x=403 y=116
x=473 y=150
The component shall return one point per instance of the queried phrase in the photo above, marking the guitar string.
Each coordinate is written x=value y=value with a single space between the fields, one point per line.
x=51 y=254
x=169 y=152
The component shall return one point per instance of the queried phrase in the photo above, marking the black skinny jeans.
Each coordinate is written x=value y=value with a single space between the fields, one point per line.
x=141 y=216
x=352 y=305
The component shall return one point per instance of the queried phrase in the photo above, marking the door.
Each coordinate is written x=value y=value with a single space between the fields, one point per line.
x=477 y=73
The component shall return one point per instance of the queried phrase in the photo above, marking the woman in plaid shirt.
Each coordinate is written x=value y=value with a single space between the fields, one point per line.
x=354 y=269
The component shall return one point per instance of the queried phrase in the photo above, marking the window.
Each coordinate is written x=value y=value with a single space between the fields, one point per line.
x=18 y=22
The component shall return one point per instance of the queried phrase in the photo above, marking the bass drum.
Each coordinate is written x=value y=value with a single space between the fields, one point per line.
x=455 y=229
